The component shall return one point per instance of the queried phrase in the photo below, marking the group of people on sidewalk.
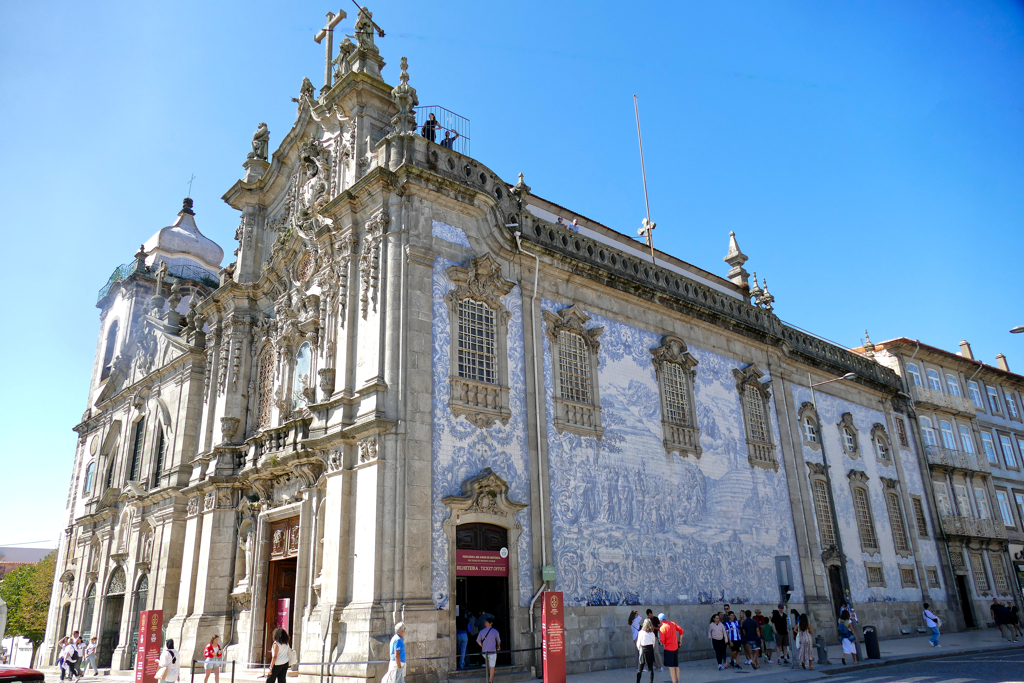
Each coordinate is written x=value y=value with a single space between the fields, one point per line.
x=75 y=657
x=1007 y=619
x=754 y=634
x=657 y=642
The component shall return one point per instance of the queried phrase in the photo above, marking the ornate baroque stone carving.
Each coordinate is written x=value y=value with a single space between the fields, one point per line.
x=485 y=494
x=209 y=501
x=369 y=261
x=368 y=449
x=574 y=411
x=228 y=427
x=193 y=506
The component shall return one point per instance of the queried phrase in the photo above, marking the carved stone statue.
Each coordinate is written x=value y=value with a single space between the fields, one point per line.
x=364 y=30
x=248 y=550
x=307 y=90
x=147 y=547
x=260 y=143
x=346 y=48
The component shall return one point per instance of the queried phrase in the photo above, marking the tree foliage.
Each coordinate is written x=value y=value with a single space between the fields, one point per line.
x=27 y=592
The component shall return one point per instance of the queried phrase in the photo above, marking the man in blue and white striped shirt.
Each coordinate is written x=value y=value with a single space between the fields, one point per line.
x=732 y=629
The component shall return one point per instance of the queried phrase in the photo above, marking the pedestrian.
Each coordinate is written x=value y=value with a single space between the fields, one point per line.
x=659 y=659
x=1015 y=616
x=61 y=644
x=168 y=663
x=645 y=647
x=781 y=625
x=396 y=660
x=768 y=638
x=1004 y=620
x=794 y=632
x=575 y=227
x=634 y=623
x=280 y=657
x=847 y=636
x=717 y=634
x=430 y=128
x=932 y=622
x=670 y=635
x=212 y=654
x=90 y=657
x=760 y=618
x=449 y=141
x=80 y=648
x=805 y=643
x=732 y=628
x=751 y=640
x=490 y=642
x=560 y=223
x=71 y=658
x=462 y=638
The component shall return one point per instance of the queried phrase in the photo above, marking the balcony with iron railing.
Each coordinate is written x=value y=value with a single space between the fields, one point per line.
x=972 y=527
x=952 y=459
x=940 y=401
x=181 y=271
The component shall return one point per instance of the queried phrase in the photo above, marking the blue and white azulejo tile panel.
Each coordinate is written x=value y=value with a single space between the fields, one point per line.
x=632 y=524
x=449 y=233
x=461 y=450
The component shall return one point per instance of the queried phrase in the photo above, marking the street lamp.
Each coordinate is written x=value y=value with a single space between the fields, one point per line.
x=828 y=481
x=1017 y=330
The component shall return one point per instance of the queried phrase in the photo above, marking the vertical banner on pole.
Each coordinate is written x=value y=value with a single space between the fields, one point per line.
x=150 y=627
x=552 y=628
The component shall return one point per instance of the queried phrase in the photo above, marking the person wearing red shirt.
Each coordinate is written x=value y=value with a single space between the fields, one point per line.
x=212 y=653
x=670 y=635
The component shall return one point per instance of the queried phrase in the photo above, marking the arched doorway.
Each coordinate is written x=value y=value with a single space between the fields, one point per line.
x=87 y=613
x=480 y=587
x=140 y=598
x=113 y=606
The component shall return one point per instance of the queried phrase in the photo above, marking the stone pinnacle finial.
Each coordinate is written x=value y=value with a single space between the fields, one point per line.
x=405 y=97
x=405 y=72
x=736 y=259
x=869 y=346
x=186 y=207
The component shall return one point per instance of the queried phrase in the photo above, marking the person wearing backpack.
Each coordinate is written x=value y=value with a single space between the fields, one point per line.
x=168 y=664
x=932 y=621
x=847 y=636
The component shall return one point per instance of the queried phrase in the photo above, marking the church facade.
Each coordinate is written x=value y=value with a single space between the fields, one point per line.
x=415 y=393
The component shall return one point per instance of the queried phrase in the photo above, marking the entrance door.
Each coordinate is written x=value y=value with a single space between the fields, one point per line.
x=476 y=595
x=965 y=601
x=110 y=633
x=835 y=587
x=284 y=550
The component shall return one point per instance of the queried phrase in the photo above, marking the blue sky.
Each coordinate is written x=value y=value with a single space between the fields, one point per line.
x=869 y=156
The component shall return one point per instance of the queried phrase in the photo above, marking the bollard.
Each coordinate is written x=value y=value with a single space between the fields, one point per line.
x=871 y=642
x=193 y=667
x=819 y=643
x=232 y=671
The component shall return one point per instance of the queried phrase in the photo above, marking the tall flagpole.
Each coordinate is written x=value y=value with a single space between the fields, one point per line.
x=648 y=227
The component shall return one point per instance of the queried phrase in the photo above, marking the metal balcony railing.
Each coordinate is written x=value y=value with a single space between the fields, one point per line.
x=181 y=271
x=973 y=527
x=119 y=274
x=937 y=399
x=953 y=459
x=446 y=121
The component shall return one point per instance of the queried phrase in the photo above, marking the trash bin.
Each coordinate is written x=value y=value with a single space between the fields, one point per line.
x=819 y=643
x=871 y=642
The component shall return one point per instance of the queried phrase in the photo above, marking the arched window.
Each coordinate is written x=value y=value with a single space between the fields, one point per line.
x=965 y=439
x=108 y=350
x=87 y=613
x=953 y=385
x=90 y=474
x=158 y=460
x=848 y=434
x=265 y=394
x=915 y=374
x=862 y=511
x=933 y=381
x=880 y=439
x=138 y=438
x=300 y=379
x=928 y=432
x=948 y=436
x=810 y=430
x=116 y=585
x=849 y=439
x=822 y=507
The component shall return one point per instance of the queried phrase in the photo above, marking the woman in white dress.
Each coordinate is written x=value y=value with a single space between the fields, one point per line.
x=169 y=661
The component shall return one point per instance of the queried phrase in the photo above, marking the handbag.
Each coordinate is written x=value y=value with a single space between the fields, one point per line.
x=293 y=658
x=161 y=673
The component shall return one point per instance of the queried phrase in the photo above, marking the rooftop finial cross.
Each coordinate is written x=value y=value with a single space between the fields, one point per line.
x=328 y=32
x=190 y=184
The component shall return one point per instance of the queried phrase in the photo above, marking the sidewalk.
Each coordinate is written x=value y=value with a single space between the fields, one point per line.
x=892 y=651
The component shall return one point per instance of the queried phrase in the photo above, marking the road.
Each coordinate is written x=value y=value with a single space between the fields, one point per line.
x=992 y=667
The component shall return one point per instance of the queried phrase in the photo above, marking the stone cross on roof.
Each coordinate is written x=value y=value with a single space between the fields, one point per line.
x=328 y=32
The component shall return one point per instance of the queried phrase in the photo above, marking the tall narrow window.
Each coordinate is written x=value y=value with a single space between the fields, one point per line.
x=574 y=357
x=965 y=439
x=108 y=350
x=862 y=511
x=1007 y=446
x=758 y=420
x=573 y=367
x=915 y=374
x=948 y=437
x=826 y=527
x=881 y=442
x=927 y=432
x=1002 y=586
x=848 y=435
x=953 y=385
x=972 y=389
x=90 y=473
x=919 y=518
x=810 y=430
x=300 y=376
x=901 y=432
x=942 y=498
x=137 y=439
x=933 y=381
x=674 y=368
x=1011 y=404
x=158 y=464
x=993 y=400
x=896 y=523
x=754 y=397
x=478 y=334
x=88 y=612
x=265 y=387
x=981 y=500
x=1004 y=508
x=963 y=501
x=978 y=569
x=1019 y=499
x=990 y=448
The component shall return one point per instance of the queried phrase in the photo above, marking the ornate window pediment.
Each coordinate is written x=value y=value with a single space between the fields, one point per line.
x=484 y=494
x=848 y=436
x=862 y=510
x=675 y=370
x=810 y=425
x=823 y=513
x=479 y=342
x=883 y=449
x=755 y=399
x=574 y=349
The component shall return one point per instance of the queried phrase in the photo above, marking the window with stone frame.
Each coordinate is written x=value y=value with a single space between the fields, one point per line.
x=965 y=439
x=948 y=437
x=901 y=432
x=993 y=400
x=1011 y=405
x=265 y=387
x=1005 y=512
x=897 y=524
x=574 y=358
x=755 y=399
x=108 y=350
x=883 y=451
x=1008 y=455
x=675 y=369
x=810 y=426
x=848 y=436
x=138 y=437
x=999 y=580
x=908 y=577
x=479 y=342
x=822 y=506
x=875 y=574
x=934 y=382
x=927 y=431
x=953 y=385
x=158 y=459
x=933 y=577
x=862 y=511
x=980 y=577
x=915 y=374
x=920 y=520
x=990 y=449
x=972 y=389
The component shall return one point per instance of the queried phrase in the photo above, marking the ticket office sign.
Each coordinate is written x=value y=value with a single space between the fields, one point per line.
x=552 y=627
x=151 y=623
x=480 y=563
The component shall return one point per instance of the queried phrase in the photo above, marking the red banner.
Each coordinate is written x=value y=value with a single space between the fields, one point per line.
x=552 y=628
x=151 y=624
x=480 y=563
x=284 y=608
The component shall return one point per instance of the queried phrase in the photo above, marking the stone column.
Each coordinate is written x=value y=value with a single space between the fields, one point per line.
x=190 y=569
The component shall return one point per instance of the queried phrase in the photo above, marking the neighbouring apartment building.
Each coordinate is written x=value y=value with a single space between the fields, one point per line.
x=969 y=422
x=416 y=393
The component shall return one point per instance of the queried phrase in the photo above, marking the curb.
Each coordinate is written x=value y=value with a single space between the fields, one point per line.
x=874 y=664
